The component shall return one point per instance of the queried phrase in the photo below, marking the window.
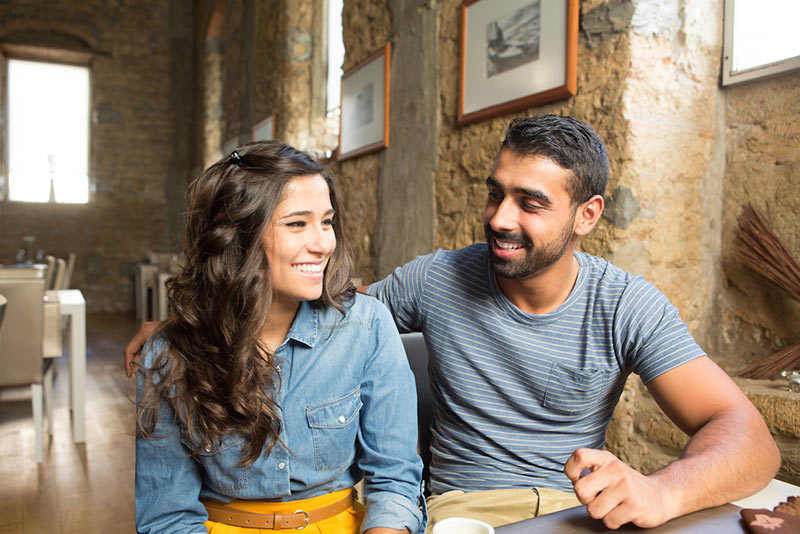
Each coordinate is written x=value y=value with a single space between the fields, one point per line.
x=48 y=132
x=761 y=39
x=335 y=54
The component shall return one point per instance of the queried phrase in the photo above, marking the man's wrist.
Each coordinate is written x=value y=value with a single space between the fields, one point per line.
x=672 y=495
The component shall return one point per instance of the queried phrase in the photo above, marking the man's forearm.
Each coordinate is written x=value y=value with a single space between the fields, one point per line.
x=732 y=456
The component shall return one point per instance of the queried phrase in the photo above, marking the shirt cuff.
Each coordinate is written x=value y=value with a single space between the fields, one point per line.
x=391 y=510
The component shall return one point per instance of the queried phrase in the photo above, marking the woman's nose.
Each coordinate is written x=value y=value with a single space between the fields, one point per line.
x=323 y=241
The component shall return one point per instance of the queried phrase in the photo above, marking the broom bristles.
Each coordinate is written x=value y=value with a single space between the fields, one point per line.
x=771 y=366
x=759 y=249
x=762 y=251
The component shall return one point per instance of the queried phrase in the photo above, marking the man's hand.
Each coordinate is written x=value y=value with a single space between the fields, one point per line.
x=615 y=492
x=134 y=347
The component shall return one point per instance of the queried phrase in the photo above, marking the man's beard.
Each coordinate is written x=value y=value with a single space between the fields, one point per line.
x=536 y=258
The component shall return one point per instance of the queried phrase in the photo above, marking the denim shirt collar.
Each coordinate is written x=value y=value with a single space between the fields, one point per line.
x=304 y=328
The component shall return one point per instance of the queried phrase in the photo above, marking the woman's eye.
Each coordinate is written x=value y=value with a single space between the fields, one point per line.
x=328 y=222
x=296 y=224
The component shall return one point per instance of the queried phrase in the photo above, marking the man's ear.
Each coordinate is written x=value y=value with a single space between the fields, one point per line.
x=588 y=214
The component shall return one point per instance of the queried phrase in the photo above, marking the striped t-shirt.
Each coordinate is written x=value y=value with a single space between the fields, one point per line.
x=517 y=393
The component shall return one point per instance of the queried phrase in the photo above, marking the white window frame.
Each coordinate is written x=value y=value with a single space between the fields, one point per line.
x=731 y=77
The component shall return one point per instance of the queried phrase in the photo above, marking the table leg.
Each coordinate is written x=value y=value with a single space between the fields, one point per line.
x=77 y=373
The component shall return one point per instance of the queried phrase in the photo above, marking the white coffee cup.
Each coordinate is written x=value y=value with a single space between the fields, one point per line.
x=462 y=525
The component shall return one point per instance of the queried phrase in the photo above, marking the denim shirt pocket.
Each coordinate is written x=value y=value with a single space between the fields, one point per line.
x=334 y=427
x=572 y=391
x=221 y=463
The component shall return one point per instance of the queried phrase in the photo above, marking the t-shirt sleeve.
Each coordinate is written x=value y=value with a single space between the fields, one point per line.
x=403 y=290
x=649 y=333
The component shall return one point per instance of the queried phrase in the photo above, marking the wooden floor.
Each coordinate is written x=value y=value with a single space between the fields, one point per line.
x=86 y=487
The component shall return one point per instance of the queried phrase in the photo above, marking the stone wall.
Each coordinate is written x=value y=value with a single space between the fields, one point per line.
x=762 y=167
x=359 y=177
x=755 y=317
x=141 y=146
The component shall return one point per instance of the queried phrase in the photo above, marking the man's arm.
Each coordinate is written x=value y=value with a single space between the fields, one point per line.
x=133 y=350
x=730 y=455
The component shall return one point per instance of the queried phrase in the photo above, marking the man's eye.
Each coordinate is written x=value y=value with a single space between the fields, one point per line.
x=530 y=207
x=496 y=195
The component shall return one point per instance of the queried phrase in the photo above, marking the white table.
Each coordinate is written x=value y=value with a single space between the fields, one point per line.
x=776 y=492
x=74 y=307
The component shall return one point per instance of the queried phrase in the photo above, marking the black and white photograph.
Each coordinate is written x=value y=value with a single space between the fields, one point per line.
x=513 y=40
x=364 y=104
x=516 y=54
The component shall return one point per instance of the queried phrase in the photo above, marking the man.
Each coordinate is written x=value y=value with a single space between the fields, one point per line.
x=531 y=343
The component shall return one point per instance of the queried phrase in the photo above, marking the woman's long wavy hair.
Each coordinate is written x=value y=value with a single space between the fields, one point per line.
x=215 y=374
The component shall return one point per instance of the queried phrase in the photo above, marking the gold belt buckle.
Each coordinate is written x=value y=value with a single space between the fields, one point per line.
x=305 y=514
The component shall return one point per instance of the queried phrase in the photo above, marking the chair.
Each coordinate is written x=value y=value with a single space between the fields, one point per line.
x=32 y=271
x=50 y=272
x=21 y=349
x=68 y=273
x=417 y=354
x=58 y=277
x=144 y=285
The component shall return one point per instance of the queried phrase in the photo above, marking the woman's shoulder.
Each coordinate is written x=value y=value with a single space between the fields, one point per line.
x=361 y=309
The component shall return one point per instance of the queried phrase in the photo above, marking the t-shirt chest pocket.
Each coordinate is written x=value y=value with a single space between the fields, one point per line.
x=574 y=391
x=334 y=427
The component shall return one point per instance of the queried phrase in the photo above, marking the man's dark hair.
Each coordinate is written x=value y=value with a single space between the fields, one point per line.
x=573 y=144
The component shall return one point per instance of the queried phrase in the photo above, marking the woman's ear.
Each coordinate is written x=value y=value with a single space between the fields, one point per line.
x=587 y=215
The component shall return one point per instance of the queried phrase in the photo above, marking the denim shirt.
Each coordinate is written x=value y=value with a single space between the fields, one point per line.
x=348 y=410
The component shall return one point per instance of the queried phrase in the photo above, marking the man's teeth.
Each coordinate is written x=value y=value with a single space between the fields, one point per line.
x=505 y=245
x=309 y=267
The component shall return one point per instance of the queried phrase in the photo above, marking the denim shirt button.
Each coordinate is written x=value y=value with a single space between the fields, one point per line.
x=208 y=448
x=342 y=419
x=279 y=368
x=281 y=465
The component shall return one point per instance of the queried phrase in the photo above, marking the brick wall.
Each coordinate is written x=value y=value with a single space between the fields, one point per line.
x=141 y=146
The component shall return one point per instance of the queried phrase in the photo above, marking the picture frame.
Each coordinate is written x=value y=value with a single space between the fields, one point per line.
x=516 y=54
x=264 y=130
x=364 y=118
x=230 y=145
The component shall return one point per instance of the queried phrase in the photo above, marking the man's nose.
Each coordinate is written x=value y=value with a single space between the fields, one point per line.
x=504 y=217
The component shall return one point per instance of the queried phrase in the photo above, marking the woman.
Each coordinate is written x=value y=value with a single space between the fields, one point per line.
x=273 y=388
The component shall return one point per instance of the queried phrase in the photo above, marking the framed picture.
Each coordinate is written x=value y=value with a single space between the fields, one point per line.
x=264 y=130
x=230 y=145
x=365 y=106
x=516 y=54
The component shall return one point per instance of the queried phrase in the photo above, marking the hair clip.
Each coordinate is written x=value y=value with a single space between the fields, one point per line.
x=235 y=158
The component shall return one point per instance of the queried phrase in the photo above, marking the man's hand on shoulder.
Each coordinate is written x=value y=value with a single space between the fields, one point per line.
x=616 y=493
x=133 y=350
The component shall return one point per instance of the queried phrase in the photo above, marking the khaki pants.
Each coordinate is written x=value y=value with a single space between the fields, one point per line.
x=498 y=507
